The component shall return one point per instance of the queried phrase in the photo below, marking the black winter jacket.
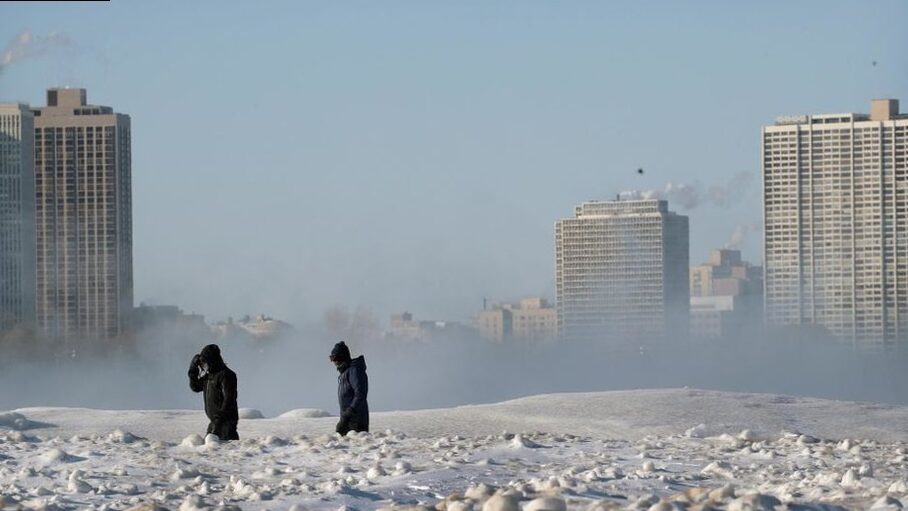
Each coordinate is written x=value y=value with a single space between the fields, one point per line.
x=220 y=394
x=352 y=390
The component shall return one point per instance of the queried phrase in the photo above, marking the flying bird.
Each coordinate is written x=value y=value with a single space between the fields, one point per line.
x=640 y=171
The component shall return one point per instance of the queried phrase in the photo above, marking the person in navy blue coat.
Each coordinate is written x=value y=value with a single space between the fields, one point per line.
x=352 y=390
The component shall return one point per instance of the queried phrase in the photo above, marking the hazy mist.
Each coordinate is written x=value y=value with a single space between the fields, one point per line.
x=294 y=371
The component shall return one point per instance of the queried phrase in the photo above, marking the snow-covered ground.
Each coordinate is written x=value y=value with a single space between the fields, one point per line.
x=653 y=449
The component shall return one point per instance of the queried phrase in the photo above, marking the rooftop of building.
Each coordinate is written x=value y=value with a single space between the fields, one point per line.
x=70 y=101
x=886 y=109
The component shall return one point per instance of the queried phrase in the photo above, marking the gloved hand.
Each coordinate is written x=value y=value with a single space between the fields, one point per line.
x=195 y=365
x=347 y=414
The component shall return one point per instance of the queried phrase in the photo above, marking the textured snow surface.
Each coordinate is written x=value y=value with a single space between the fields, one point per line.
x=650 y=450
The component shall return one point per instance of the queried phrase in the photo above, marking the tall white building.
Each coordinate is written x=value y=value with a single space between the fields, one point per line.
x=835 y=206
x=84 y=218
x=17 y=216
x=621 y=271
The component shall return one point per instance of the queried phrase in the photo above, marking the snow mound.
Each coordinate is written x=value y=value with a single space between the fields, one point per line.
x=250 y=414
x=304 y=413
x=17 y=422
x=212 y=440
x=56 y=455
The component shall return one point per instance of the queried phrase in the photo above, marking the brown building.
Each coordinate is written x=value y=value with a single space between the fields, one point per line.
x=726 y=295
x=83 y=218
x=533 y=319
x=405 y=327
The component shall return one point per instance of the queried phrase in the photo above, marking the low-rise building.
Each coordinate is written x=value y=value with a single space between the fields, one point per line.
x=532 y=319
x=726 y=295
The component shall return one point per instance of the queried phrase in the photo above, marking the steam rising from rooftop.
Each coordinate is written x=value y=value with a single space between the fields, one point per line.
x=691 y=196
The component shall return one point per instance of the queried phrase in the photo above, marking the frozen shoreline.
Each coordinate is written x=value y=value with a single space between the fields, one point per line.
x=625 y=449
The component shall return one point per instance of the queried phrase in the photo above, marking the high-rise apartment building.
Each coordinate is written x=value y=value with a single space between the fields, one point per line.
x=622 y=271
x=84 y=218
x=835 y=205
x=17 y=216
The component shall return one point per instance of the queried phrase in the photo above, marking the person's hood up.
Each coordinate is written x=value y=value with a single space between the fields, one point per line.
x=211 y=355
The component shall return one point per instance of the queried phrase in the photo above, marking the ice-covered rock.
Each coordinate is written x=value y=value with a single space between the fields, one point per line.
x=645 y=501
x=250 y=414
x=754 y=502
x=900 y=486
x=376 y=471
x=849 y=478
x=402 y=468
x=698 y=431
x=546 y=504
x=193 y=503
x=887 y=503
x=78 y=486
x=747 y=435
x=193 y=440
x=274 y=441
x=184 y=473
x=612 y=473
x=122 y=437
x=718 y=469
x=479 y=492
x=665 y=506
x=501 y=502
x=459 y=505
x=722 y=494
x=521 y=442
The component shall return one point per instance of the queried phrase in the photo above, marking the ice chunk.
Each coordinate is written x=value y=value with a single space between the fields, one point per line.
x=546 y=504
x=500 y=502
x=193 y=440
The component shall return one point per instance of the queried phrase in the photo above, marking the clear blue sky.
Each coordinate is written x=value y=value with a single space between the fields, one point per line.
x=414 y=155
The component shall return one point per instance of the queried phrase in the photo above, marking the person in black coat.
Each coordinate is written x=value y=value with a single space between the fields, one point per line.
x=218 y=383
x=352 y=390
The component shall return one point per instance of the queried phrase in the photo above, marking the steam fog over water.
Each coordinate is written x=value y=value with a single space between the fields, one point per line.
x=294 y=372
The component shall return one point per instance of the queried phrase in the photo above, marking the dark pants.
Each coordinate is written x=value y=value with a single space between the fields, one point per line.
x=353 y=424
x=225 y=430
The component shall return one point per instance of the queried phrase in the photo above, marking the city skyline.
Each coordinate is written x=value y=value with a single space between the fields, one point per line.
x=300 y=160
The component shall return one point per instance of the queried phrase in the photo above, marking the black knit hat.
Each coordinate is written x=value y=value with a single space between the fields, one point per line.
x=340 y=352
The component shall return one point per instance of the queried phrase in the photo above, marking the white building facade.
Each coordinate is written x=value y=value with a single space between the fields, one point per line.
x=17 y=216
x=84 y=218
x=835 y=206
x=621 y=271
